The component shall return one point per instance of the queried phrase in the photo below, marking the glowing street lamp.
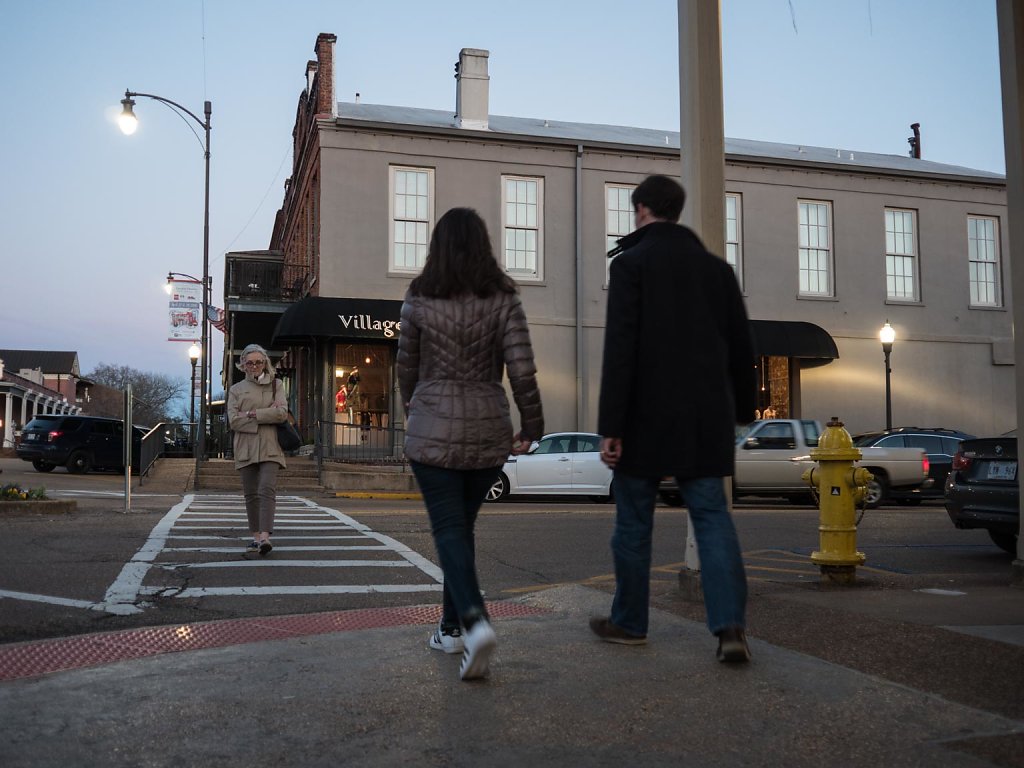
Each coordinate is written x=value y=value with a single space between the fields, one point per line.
x=194 y=352
x=887 y=336
x=128 y=122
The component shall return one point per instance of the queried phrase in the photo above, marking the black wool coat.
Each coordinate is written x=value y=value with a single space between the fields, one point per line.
x=678 y=368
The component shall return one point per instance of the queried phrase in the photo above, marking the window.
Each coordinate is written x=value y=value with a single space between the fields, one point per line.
x=522 y=208
x=587 y=444
x=900 y=255
x=411 y=213
x=776 y=435
x=733 y=244
x=983 y=261
x=618 y=218
x=815 y=248
x=559 y=444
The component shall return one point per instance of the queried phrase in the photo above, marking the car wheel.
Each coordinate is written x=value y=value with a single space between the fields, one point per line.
x=43 y=466
x=876 y=491
x=1005 y=541
x=672 y=498
x=499 y=490
x=79 y=463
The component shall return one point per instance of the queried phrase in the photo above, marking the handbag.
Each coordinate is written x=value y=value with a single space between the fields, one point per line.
x=287 y=435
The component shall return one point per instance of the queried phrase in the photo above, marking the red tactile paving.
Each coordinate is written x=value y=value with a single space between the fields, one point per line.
x=32 y=659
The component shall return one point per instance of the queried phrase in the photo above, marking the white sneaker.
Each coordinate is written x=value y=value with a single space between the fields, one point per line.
x=447 y=640
x=480 y=643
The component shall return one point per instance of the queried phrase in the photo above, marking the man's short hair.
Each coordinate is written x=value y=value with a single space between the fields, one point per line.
x=664 y=197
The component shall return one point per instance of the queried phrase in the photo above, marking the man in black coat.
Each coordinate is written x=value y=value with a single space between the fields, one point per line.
x=677 y=377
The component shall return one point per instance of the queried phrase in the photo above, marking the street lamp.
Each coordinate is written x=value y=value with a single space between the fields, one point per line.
x=193 y=355
x=887 y=336
x=128 y=122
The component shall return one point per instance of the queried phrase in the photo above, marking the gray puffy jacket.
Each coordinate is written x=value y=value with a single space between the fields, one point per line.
x=451 y=357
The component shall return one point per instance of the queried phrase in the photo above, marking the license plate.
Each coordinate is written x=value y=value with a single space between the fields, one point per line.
x=1002 y=470
x=31 y=436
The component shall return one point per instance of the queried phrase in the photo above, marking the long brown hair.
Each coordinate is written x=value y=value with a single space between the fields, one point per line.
x=460 y=260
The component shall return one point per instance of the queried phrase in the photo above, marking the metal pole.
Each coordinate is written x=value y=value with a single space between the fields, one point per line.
x=128 y=435
x=192 y=406
x=887 y=348
x=205 y=364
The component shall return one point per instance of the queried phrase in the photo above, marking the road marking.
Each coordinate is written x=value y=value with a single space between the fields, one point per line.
x=276 y=563
x=319 y=589
x=121 y=595
x=277 y=548
x=215 y=519
x=51 y=599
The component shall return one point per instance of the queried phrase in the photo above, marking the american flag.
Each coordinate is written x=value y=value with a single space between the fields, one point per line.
x=217 y=318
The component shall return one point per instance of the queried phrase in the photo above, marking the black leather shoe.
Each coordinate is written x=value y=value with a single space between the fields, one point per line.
x=732 y=646
x=612 y=633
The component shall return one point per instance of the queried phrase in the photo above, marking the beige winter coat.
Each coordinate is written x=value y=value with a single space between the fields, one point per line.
x=256 y=439
x=452 y=354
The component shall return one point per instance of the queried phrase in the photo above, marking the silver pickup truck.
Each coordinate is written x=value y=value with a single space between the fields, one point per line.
x=772 y=454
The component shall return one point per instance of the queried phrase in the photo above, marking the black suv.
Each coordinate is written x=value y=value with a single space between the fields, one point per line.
x=940 y=445
x=79 y=443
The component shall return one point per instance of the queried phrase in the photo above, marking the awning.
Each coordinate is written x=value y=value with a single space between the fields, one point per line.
x=788 y=338
x=319 y=317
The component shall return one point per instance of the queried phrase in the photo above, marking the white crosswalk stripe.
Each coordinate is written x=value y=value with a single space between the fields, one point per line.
x=205 y=537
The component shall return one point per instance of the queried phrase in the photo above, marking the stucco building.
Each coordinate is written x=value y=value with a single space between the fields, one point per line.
x=828 y=244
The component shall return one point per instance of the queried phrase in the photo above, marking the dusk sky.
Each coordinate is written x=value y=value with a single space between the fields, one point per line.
x=93 y=220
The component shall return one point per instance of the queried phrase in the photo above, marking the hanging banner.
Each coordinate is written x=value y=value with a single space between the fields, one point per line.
x=185 y=310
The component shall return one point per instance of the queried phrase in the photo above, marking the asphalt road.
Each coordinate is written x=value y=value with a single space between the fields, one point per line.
x=62 y=574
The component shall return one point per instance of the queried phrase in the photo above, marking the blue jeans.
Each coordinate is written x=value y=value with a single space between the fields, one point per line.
x=453 y=498
x=723 y=579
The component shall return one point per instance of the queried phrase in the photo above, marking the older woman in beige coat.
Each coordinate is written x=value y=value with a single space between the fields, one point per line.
x=256 y=405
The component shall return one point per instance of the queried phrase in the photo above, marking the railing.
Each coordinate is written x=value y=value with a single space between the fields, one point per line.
x=263 y=279
x=150 y=449
x=359 y=443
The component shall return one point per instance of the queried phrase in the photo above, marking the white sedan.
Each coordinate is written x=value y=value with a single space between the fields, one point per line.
x=562 y=463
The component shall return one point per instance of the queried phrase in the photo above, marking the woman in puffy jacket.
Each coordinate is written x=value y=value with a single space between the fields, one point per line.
x=256 y=405
x=462 y=327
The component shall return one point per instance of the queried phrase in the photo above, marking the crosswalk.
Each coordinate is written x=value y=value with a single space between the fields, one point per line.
x=197 y=550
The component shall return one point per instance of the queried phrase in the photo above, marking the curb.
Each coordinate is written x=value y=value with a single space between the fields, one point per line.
x=48 y=506
x=394 y=495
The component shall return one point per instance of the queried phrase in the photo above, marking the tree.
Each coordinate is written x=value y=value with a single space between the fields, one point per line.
x=153 y=394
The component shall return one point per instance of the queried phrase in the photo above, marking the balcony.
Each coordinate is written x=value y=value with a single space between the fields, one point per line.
x=261 y=276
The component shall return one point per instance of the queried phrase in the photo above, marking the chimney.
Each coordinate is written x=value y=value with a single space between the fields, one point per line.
x=471 y=84
x=325 y=103
x=915 y=141
x=311 y=68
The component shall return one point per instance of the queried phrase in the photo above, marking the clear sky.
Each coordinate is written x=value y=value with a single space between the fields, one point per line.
x=92 y=220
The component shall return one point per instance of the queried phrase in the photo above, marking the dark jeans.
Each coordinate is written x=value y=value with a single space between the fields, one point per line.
x=453 y=498
x=723 y=580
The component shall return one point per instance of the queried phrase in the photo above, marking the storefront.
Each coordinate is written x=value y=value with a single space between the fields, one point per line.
x=782 y=348
x=339 y=369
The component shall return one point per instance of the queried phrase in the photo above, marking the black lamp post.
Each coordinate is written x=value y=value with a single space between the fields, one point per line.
x=128 y=123
x=193 y=355
x=887 y=336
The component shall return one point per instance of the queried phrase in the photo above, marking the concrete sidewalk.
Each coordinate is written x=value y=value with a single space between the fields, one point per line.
x=556 y=697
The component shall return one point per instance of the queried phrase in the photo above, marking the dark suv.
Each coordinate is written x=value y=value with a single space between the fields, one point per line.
x=79 y=443
x=940 y=445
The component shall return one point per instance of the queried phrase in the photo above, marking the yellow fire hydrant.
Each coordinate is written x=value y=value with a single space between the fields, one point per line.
x=840 y=487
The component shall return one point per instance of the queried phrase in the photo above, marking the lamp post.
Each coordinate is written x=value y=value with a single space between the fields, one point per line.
x=193 y=355
x=128 y=122
x=887 y=336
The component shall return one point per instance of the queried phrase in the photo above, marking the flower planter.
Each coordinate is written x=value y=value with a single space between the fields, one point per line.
x=46 y=507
